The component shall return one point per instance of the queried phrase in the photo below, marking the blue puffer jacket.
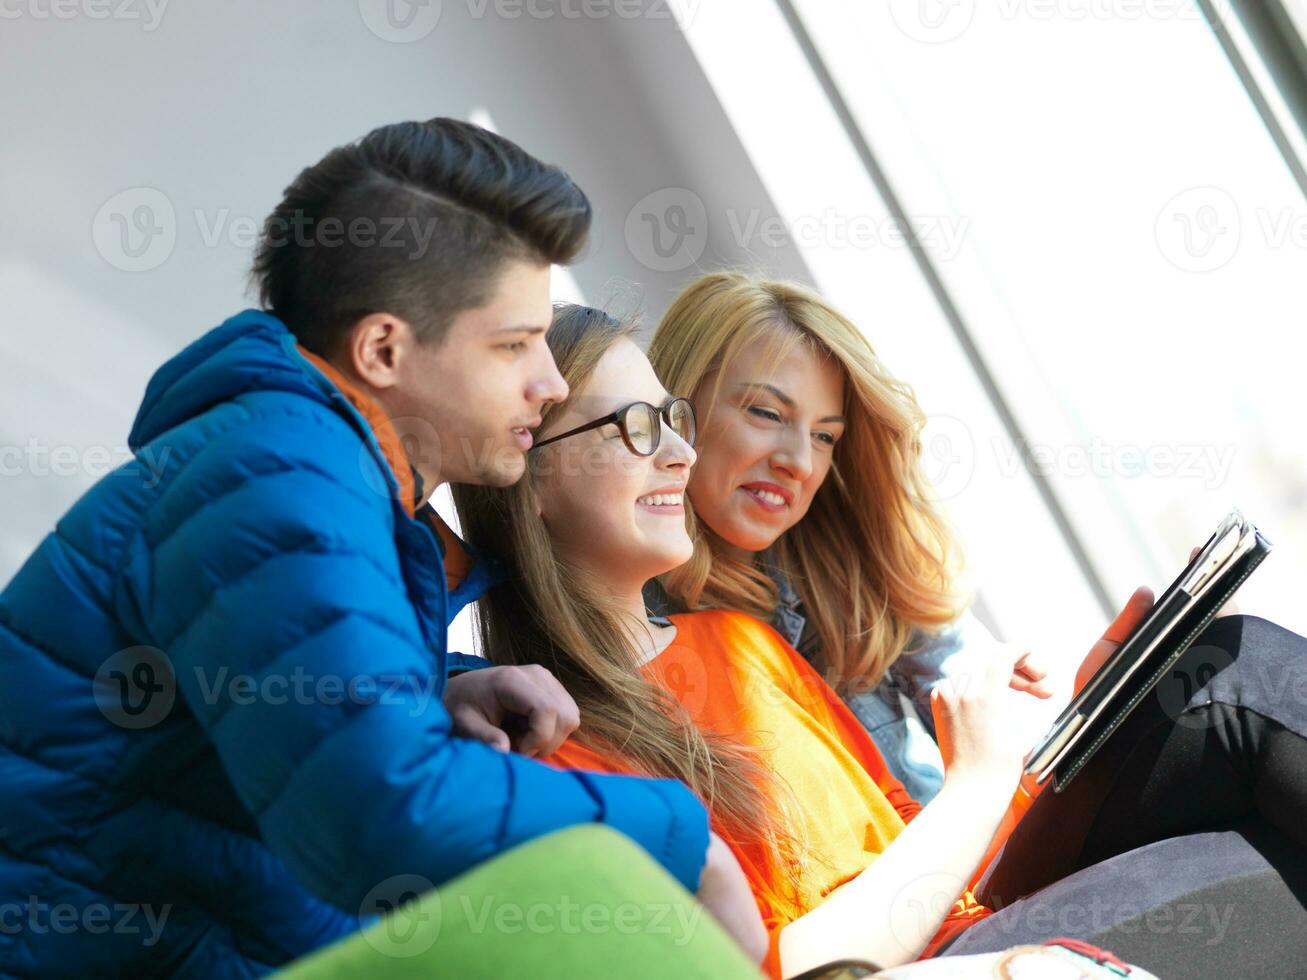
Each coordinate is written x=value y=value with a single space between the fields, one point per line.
x=221 y=726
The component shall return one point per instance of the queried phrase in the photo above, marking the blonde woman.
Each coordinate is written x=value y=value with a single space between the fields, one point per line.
x=813 y=511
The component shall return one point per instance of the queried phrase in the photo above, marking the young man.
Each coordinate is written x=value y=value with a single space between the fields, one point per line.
x=225 y=727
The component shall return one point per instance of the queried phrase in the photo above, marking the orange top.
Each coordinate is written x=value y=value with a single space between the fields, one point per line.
x=737 y=676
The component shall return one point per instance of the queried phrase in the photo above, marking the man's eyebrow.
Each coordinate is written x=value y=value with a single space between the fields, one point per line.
x=786 y=400
x=524 y=328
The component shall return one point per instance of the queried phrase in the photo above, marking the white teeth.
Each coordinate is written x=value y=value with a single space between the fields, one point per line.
x=660 y=499
x=772 y=498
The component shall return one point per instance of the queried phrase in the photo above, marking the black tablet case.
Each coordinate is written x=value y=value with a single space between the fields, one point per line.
x=1151 y=672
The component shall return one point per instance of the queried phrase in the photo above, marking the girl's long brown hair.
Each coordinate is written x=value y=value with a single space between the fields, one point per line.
x=551 y=612
x=872 y=559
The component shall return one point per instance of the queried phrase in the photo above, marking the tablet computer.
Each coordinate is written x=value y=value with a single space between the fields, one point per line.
x=1228 y=557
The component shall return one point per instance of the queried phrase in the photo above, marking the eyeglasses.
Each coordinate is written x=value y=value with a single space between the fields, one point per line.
x=640 y=425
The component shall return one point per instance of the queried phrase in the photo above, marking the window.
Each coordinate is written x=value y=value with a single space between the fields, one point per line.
x=1113 y=231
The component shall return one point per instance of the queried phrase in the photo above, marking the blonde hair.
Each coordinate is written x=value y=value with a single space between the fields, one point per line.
x=872 y=559
x=551 y=612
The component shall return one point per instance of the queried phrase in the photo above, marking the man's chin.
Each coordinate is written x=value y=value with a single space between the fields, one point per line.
x=503 y=472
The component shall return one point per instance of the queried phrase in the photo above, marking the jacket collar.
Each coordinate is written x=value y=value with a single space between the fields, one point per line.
x=382 y=429
x=456 y=557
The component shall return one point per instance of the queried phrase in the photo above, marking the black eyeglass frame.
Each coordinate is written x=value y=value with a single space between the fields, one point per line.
x=619 y=417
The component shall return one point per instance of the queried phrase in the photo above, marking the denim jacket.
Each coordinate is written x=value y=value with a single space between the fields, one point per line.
x=896 y=713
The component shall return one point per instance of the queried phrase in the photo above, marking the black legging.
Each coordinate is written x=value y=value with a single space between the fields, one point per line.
x=1182 y=845
x=1222 y=740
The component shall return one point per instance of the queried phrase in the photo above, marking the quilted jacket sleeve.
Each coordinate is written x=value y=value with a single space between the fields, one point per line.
x=273 y=584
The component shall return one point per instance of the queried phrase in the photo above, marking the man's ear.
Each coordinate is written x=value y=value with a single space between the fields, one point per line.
x=375 y=349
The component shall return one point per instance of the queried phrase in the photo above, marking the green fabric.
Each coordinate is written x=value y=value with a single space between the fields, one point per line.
x=583 y=902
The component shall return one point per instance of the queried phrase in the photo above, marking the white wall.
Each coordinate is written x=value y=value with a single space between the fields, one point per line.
x=216 y=107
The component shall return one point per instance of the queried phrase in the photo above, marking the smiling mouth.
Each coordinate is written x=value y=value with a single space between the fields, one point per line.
x=766 y=496
x=665 y=500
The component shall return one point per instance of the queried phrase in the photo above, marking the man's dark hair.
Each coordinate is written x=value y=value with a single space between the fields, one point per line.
x=417 y=219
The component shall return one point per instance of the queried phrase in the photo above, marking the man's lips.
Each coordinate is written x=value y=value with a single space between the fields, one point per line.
x=523 y=435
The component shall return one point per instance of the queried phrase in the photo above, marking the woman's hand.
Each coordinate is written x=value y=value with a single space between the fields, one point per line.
x=1028 y=675
x=972 y=720
x=1136 y=608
